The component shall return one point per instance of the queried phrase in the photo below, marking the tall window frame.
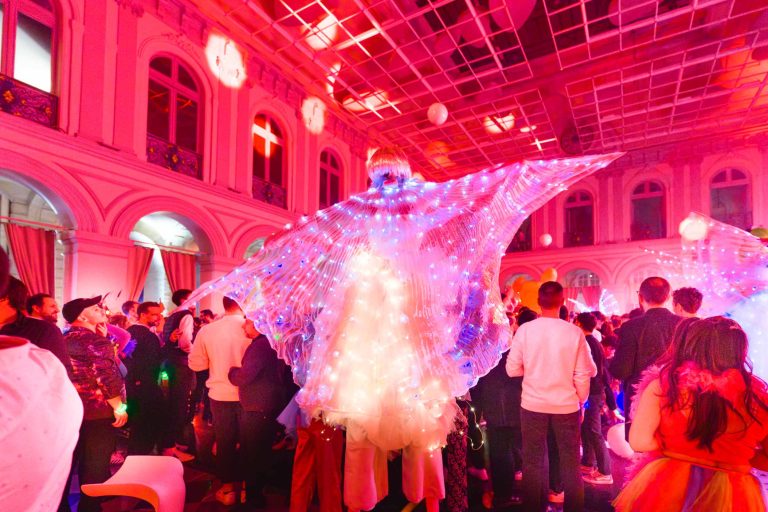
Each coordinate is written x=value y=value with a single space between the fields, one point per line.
x=184 y=92
x=330 y=178
x=269 y=150
x=648 y=211
x=522 y=241
x=730 y=198
x=579 y=214
x=14 y=16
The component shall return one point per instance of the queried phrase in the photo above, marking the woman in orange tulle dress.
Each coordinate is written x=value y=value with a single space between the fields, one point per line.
x=702 y=421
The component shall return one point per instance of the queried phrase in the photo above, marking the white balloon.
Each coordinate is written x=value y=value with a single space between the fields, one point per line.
x=617 y=442
x=693 y=228
x=546 y=239
x=437 y=114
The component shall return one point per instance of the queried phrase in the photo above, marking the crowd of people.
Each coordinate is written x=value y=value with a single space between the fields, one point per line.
x=681 y=386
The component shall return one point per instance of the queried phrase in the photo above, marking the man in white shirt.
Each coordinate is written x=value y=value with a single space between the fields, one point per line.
x=554 y=360
x=218 y=347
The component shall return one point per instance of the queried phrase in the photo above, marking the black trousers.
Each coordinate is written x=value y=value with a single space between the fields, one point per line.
x=147 y=418
x=91 y=458
x=505 y=454
x=565 y=430
x=257 y=434
x=181 y=382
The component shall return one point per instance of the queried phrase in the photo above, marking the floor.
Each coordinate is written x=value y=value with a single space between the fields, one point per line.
x=201 y=485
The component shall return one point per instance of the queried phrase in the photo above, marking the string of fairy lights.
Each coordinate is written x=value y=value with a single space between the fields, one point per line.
x=387 y=305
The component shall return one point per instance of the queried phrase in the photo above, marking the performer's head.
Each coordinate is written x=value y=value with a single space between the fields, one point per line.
x=387 y=164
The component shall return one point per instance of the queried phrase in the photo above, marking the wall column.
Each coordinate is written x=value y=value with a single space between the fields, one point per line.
x=213 y=266
x=95 y=264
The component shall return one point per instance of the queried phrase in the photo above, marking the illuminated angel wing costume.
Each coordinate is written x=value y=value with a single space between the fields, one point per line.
x=730 y=267
x=387 y=305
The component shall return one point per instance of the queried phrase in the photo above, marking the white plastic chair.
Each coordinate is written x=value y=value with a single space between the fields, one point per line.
x=156 y=479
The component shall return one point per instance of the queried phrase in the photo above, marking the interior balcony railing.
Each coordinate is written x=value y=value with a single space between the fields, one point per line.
x=173 y=157
x=742 y=220
x=269 y=192
x=639 y=231
x=22 y=100
x=578 y=238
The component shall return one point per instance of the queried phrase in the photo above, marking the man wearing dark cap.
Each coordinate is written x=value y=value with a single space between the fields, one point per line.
x=97 y=378
x=13 y=322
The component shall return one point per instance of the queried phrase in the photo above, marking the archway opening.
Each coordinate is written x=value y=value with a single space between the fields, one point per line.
x=255 y=247
x=22 y=206
x=171 y=238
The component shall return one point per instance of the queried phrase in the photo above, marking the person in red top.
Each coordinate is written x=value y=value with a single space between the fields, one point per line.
x=703 y=419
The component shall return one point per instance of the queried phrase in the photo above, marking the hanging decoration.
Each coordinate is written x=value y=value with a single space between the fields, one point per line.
x=437 y=114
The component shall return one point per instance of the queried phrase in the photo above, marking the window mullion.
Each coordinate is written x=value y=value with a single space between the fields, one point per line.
x=172 y=105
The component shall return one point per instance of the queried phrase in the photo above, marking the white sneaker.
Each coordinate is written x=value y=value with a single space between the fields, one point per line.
x=598 y=478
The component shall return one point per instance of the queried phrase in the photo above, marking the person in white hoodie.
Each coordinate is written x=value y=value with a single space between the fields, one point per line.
x=554 y=360
x=218 y=347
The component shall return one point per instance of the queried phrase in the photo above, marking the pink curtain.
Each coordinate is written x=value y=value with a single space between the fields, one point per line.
x=570 y=293
x=592 y=296
x=139 y=260
x=33 y=253
x=180 y=269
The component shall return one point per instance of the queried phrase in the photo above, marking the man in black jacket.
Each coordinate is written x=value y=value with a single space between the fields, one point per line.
x=145 y=398
x=642 y=340
x=178 y=333
x=13 y=322
x=262 y=396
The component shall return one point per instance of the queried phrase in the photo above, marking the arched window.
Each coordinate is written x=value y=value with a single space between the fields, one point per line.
x=27 y=57
x=330 y=179
x=729 y=198
x=268 y=161
x=579 y=220
x=580 y=278
x=174 y=116
x=522 y=239
x=648 y=212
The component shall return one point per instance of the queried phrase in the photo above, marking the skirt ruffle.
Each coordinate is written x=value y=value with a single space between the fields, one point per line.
x=672 y=485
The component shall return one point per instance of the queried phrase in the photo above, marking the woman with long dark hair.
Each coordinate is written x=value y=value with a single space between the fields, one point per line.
x=703 y=419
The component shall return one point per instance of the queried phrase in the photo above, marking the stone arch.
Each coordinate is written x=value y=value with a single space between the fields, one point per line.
x=509 y=270
x=208 y=234
x=73 y=205
x=247 y=238
x=603 y=273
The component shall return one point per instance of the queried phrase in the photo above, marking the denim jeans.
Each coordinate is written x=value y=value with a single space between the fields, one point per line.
x=593 y=443
x=565 y=429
